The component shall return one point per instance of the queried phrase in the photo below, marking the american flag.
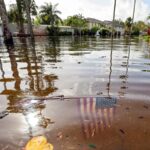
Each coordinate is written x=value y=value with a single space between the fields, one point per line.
x=96 y=113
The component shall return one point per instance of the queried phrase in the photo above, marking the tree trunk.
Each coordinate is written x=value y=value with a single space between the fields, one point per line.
x=21 y=20
x=30 y=28
x=8 y=40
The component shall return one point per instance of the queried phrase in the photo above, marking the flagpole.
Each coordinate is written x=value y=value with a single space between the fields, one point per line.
x=114 y=13
x=133 y=11
x=133 y=15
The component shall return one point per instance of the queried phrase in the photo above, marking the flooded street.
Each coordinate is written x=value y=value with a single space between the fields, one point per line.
x=81 y=93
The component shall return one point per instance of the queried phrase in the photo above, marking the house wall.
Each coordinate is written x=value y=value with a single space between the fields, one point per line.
x=67 y=29
x=120 y=29
x=93 y=24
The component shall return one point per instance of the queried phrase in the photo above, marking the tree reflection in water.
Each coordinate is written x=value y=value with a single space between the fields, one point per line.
x=37 y=84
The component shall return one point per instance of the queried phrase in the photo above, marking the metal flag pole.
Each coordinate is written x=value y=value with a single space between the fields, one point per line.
x=133 y=11
x=133 y=15
x=111 y=52
x=114 y=13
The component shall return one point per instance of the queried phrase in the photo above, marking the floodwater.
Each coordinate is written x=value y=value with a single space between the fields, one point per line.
x=55 y=88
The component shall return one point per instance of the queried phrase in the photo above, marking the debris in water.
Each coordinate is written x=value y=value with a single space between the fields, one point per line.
x=141 y=117
x=60 y=135
x=127 y=108
x=121 y=131
x=3 y=114
x=92 y=146
x=146 y=107
x=38 y=143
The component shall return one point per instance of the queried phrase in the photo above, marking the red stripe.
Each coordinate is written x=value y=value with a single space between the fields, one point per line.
x=81 y=117
x=87 y=122
x=103 y=117
x=93 y=125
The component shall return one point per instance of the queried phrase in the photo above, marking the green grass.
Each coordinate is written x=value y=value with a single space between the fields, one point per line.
x=146 y=37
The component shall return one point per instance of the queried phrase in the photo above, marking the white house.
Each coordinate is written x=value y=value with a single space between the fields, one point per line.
x=119 y=28
x=94 y=23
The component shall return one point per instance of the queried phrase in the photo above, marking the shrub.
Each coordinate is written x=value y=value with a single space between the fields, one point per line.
x=53 y=31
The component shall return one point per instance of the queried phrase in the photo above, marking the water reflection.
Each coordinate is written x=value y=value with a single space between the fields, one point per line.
x=53 y=49
x=32 y=112
x=97 y=114
x=125 y=64
x=32 y=71
x=77 y=66
x=36 y=84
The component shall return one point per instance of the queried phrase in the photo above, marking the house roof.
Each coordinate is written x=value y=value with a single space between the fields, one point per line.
x=116 y=24
x=105 y=22
x=93 y=20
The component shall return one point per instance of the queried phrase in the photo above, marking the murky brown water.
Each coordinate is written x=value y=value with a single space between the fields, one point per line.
x=85 y=68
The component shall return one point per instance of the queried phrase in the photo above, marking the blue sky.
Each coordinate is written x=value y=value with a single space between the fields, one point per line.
x=99 y=9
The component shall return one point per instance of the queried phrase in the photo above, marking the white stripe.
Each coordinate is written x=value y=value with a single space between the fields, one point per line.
x=94 y=114
x=101 y=120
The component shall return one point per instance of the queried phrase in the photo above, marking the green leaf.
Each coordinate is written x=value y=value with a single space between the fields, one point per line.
x=92 y=146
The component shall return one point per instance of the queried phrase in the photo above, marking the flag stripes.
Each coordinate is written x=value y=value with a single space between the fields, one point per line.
x=96 y=114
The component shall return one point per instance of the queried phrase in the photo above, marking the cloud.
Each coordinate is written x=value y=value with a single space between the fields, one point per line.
x=125 y=9
x=99 y=9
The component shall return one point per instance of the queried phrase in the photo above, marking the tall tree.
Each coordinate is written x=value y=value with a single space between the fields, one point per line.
x=128 y=25
x=30 y=28
x=3 y=14
x=50 y=14
x=20 y=16
x=13 y=14
x=76 y=21
x=25 y=7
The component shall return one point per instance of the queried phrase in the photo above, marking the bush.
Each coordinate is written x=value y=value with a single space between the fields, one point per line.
x=85 y=31
x=105 y=32
x=135 y=31
x=148 y=31
x=65 y=33
x=94 y=30
x=53 y=31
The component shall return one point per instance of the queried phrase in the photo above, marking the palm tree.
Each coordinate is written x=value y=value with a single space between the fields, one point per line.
x=49 y=14
x=20 y=16
x=128 y=25
x=3 y=14
x=28 y=7
x=30 y=28
x=13 y=15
